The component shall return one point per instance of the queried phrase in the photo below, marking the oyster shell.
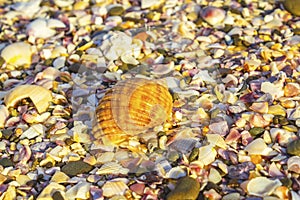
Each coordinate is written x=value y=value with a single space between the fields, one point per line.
x=132 y=107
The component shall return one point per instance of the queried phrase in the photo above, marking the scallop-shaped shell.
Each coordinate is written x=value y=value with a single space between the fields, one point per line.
x=131 y=107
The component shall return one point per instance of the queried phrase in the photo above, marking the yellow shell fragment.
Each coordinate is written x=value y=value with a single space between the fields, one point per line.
x=17 y=54
x=38 y=95
x=131 y=107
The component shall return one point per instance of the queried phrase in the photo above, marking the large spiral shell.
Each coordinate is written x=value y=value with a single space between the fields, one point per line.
x=131 y=107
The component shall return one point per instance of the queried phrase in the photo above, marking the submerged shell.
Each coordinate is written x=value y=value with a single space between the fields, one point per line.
x=131 y=107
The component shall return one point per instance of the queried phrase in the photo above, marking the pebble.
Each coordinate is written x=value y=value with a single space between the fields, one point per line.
x=186 y=188
x=79 y=191
x=293 y=164
x=49 y=190
x=6 y=162
x=220 y=128
x=293 y=147
x=74 y=168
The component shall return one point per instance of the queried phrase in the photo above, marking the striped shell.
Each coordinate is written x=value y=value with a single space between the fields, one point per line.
x=131 y=107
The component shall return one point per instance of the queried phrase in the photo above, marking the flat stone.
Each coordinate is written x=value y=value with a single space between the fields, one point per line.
x=5 y=162
x=293 y=6
x=76 y=167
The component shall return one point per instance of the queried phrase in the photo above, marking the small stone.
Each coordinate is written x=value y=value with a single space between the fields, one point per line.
x=59 y=177
x=293 y=147
x=76 y=167
x=186 y=188
x=116 y=11
x=5 y=162
x=276 y=110
x=255 y=131
x=79 y=191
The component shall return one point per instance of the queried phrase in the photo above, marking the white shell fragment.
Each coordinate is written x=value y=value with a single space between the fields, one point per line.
x=44 y=28
x=258 y=147
x=33 y=131
x=293 y=164
x=17 y=54
x=262 y=186
x=38 y=95
x=3 y=115
x=207 y=154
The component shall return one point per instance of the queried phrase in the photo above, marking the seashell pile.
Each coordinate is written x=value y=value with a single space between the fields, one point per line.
x=131 y=107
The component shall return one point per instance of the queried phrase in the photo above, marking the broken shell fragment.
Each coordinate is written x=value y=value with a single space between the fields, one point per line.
x=38 y=95
x=258 y=147
x=262 y=186
x=114 y=187
x=293 y=164
x=17 y=54
x=3 y=115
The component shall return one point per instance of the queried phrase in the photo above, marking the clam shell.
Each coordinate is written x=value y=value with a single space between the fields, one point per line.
x=131 y=107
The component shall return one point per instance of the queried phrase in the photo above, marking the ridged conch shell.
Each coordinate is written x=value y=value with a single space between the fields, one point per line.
x=131 y=107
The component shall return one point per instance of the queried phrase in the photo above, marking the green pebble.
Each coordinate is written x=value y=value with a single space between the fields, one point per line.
x=116 y=11
x=293 y=148
x=5 y=162
x=256 y=131
x=76 y=167
x=186 y=188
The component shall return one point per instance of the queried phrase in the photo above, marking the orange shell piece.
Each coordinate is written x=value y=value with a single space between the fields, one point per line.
x=131 y=107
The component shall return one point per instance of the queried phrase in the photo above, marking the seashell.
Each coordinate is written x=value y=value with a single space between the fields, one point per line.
x=293 y=164
x=3 y=115
x=38 y=95
x=17 y=54
x=131 y=107
x=79 y=191
x=213 y=15
x=262 y=186
x=44 y=28
x=258 y=147
x=49 y=190
x=114 y=187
